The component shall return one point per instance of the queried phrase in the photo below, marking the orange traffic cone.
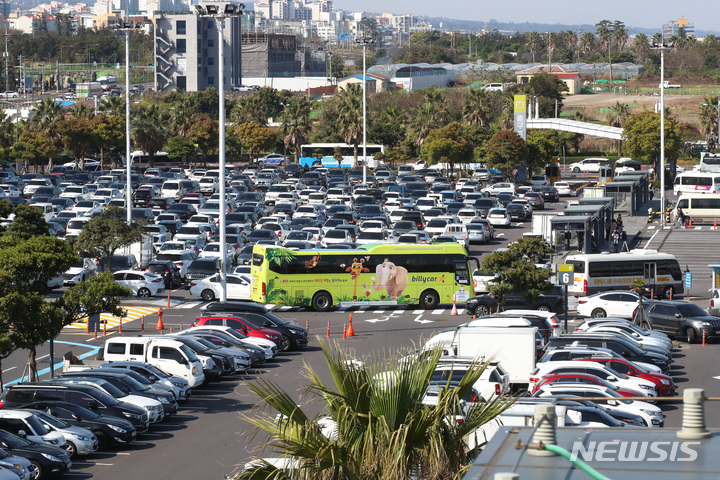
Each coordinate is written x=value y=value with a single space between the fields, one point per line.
x=160 y=326
x=454 y=309
x=344 y=331
x=350 y=330
x=328 y=331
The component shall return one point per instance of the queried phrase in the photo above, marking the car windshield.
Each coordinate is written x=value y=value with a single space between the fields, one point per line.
x=691 y=310
x=52 y=421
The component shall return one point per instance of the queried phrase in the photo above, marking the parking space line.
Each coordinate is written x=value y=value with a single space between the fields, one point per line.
x=438 y=311
x=418 y=312
x=189 y=304
x=191 y=407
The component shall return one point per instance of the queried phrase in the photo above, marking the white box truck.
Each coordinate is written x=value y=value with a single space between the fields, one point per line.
x=170 y=356
x=143 y=251
x=514 y=347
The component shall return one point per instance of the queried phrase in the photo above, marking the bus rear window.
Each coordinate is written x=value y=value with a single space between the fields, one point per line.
x=578 y=266
x=257 y=259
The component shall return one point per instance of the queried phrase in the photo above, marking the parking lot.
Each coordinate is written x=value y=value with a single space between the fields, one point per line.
x=209 y=437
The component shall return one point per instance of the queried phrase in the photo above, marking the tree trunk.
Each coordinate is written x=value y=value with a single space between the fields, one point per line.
x=32 y=365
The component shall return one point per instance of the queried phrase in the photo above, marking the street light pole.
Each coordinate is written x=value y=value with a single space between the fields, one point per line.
x=127 y=27
x=220 y=12
x=364 y=39
x=662 y=47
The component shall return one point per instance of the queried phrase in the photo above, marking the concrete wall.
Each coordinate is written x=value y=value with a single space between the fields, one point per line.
x=293 y=84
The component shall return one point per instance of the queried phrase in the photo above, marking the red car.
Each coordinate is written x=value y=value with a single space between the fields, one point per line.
x=242 y=325
x=664 y=383
x=581 y=378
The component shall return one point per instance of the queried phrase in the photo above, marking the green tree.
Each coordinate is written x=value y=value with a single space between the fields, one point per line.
x=515 y=270
x=28 y=222
x=506 y=151
x=618 y=114
x=605 y=34
x=180 y=147
x=112 y=106
x=641 y=138
x=32 y=148
x=448 y=145
x=476 y=110
x=550 y=90
x=381 y=427
x=542 y=146
x=150 y=129
x=104 y=234
x=388 y=127
x=255 y=137
x=47 y=121
x=205 y=133
x=78 y=135
x=709 y=121
x=100 y=293
x=337 y=66
x=641 y=45
x=295 y=128
x=109 y=136
x=533 y=43
x=350 y=119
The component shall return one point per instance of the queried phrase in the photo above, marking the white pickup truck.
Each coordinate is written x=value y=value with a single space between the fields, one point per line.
x=667 y=84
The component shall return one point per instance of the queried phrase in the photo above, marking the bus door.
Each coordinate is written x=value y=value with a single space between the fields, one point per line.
x=649 y=274
x=462 y=277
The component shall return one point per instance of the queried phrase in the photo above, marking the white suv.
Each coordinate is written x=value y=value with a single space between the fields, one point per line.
x=587 y=165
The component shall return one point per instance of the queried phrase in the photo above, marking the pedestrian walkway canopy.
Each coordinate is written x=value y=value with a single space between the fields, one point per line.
x=574 y=126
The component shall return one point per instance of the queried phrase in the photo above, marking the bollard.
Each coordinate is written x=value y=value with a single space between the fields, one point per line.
x=87 y=329
x=96 y=331
x=671 y=292
x=181 y=326
x=703 y=344
x=142 y=323
x=105 y=328
x=307 y=325
x=171 y=330
x=168 y=301
x=328 y=331
x=344 y=331
x=120 y=326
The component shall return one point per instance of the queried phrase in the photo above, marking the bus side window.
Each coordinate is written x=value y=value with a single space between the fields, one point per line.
x=462 y=274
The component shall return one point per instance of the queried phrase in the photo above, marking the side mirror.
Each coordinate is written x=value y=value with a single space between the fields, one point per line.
x=611 y=378
x=92 y=405
x=612 y=403
x=677 y=315
x=22 y=433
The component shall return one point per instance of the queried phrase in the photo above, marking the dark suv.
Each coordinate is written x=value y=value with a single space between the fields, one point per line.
x=201 y=268
x=294 y=336
x=677 y=318
x=551 y=301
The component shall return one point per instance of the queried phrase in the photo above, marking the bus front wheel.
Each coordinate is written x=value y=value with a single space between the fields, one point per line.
x=668 y=292
x=429 y=299
x=321 y=302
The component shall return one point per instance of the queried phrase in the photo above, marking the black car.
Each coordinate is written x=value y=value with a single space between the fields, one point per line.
x=535 y=199
x=549 y=194
x=183 y=210
x=141 y=198
x=48 y=460
x=110 y=431
x=128 y=385
x=168 y=270
x=504 y=198
x=201 y=268
x=294 y=336
x=677 y=318
x=551 y=301
x=517 y=212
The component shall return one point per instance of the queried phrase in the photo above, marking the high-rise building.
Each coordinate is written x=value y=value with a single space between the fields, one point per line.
x=186 y=52
x=678 y=28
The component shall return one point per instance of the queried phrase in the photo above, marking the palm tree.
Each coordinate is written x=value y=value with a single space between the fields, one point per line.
x=431 y=114
x=149 y=129
x=620 y=35
x=642 y=47
x=373 y=422
x=570 y=40
x=605 y=34
x=533 y=42
x=182 y=114
x=47 y=118
x=709 y=111
x=475 y=110
x=295 y=127
x=112 y=106
x=80 y=110
x=587 y=42
x=658 y=38
x=618 y=114
x=350 y=118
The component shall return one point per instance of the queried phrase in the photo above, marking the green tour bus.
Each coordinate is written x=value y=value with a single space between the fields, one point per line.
x=371 y=275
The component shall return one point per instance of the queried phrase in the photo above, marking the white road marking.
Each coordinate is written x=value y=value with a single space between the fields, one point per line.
x=8 y=369
x=415 y=312
x=438 y=311
x=189 y=305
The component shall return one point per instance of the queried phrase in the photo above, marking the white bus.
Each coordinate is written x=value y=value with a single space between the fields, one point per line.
x=598 y=272
x=322 y=155
x=141 y=160
x=697 y=182
x=709 y=162
x=700 y=207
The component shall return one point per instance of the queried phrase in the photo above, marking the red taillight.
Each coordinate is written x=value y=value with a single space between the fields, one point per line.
x=193 y=284
x=459 y=420
x=179 y=264
x=585 y=286
x=167 y=271
x=157 y=280
x=264 y=289
x=497 y=389
x=534 y=379
x=580 y=302
x=2 y=404
x=474 y=398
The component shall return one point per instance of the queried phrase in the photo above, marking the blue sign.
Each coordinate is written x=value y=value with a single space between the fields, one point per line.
x=688 y=280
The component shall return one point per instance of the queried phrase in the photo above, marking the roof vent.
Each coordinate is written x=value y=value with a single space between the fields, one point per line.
x=546 y=418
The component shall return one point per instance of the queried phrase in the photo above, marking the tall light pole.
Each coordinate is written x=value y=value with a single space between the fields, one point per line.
x=128 y=27
x=221 y=11
x=364 y=38
x=662 y=47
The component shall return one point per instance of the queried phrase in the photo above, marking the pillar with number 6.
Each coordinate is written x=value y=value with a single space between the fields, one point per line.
x=566 y=277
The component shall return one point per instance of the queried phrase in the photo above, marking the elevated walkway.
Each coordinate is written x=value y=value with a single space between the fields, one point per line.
x=576 y=127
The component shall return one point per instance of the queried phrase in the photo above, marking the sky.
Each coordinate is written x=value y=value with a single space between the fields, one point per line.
x=634 y=13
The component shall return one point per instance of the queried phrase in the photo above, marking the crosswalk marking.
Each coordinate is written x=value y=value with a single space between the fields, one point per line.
x=189 y=305
x=439 y=311
x=418 y=312
x=132 y=314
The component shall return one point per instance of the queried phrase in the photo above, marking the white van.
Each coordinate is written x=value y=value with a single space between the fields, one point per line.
x=173 y=189
x=168 y=355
